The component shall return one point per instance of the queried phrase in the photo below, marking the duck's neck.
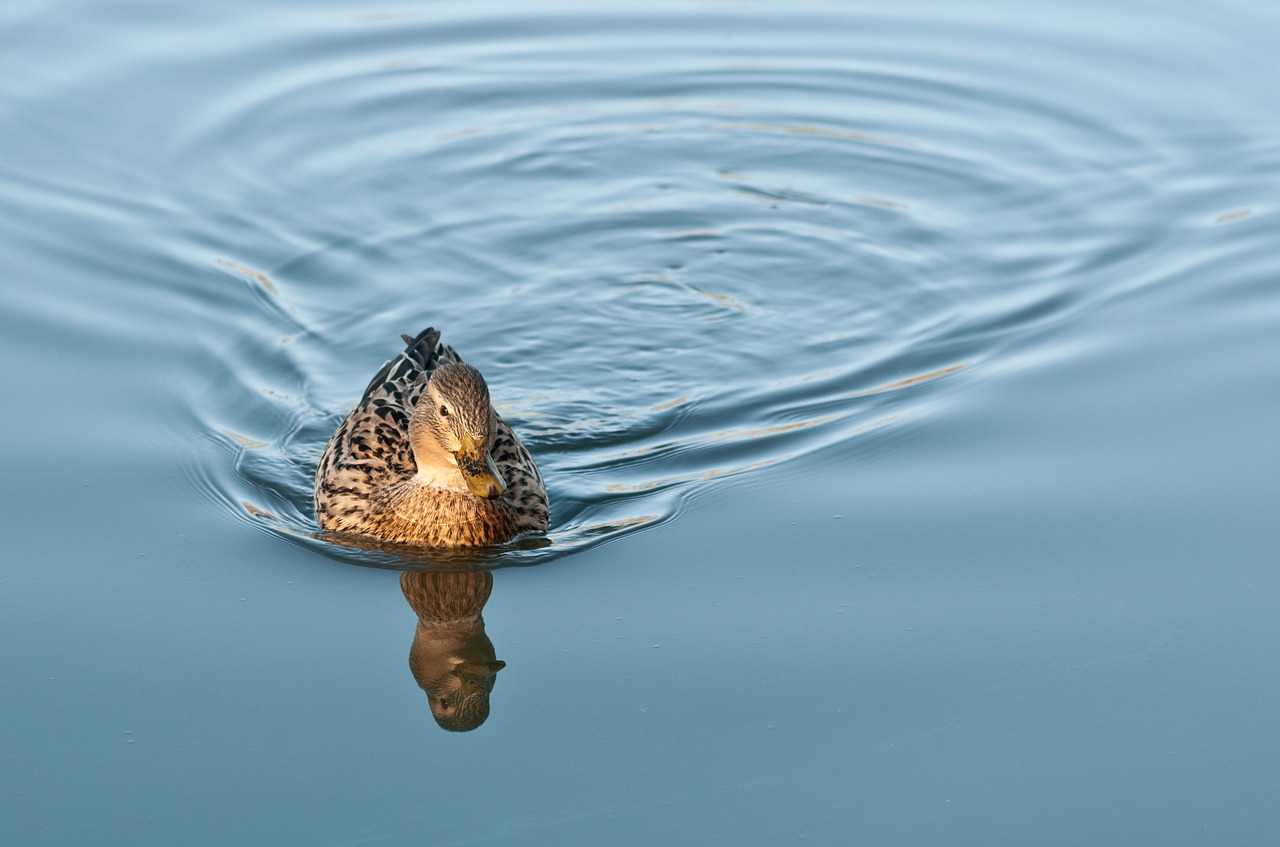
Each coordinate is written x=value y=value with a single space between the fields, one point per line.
x=436 y=471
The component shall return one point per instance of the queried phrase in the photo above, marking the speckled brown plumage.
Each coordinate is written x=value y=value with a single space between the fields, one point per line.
x=368 y=480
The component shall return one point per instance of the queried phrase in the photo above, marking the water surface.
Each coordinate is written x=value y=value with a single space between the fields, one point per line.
x=903 y=376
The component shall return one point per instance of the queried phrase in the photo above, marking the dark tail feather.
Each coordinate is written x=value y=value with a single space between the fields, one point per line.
x=421 y=351
x=423 y=348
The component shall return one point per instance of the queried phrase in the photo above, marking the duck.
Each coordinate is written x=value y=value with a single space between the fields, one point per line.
x=425 y=460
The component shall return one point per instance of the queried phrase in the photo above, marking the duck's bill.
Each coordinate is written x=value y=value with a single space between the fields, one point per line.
x=481 y=670
x=479 y=470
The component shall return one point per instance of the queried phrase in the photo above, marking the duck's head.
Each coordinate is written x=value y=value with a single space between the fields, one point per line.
x=452 y=429
x=459 y=699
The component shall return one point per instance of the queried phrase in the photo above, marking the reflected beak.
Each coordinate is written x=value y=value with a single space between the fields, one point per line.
x=479 y=470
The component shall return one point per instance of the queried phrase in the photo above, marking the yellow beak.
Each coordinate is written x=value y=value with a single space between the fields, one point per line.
x=479 y=470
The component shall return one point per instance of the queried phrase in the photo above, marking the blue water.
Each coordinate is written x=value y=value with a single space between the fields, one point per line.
x=904 y=377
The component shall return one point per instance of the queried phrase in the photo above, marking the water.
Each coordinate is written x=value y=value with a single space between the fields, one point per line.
x=903 y=375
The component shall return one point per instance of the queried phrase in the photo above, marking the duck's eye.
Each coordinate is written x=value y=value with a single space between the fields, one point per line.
x=444 y=411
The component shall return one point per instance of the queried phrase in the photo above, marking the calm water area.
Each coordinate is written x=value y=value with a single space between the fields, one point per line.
x=905 y=377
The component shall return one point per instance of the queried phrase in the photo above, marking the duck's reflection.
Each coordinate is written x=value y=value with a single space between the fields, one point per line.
x=451 y=658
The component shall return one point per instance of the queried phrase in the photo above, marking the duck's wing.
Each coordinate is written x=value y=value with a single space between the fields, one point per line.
x=371 y=448
x=525 y=489
x=511 y=455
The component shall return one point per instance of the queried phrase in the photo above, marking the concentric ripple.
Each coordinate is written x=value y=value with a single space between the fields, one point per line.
x=725 y=253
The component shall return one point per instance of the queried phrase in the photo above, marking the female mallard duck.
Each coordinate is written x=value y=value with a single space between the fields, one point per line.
x=424 y=459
